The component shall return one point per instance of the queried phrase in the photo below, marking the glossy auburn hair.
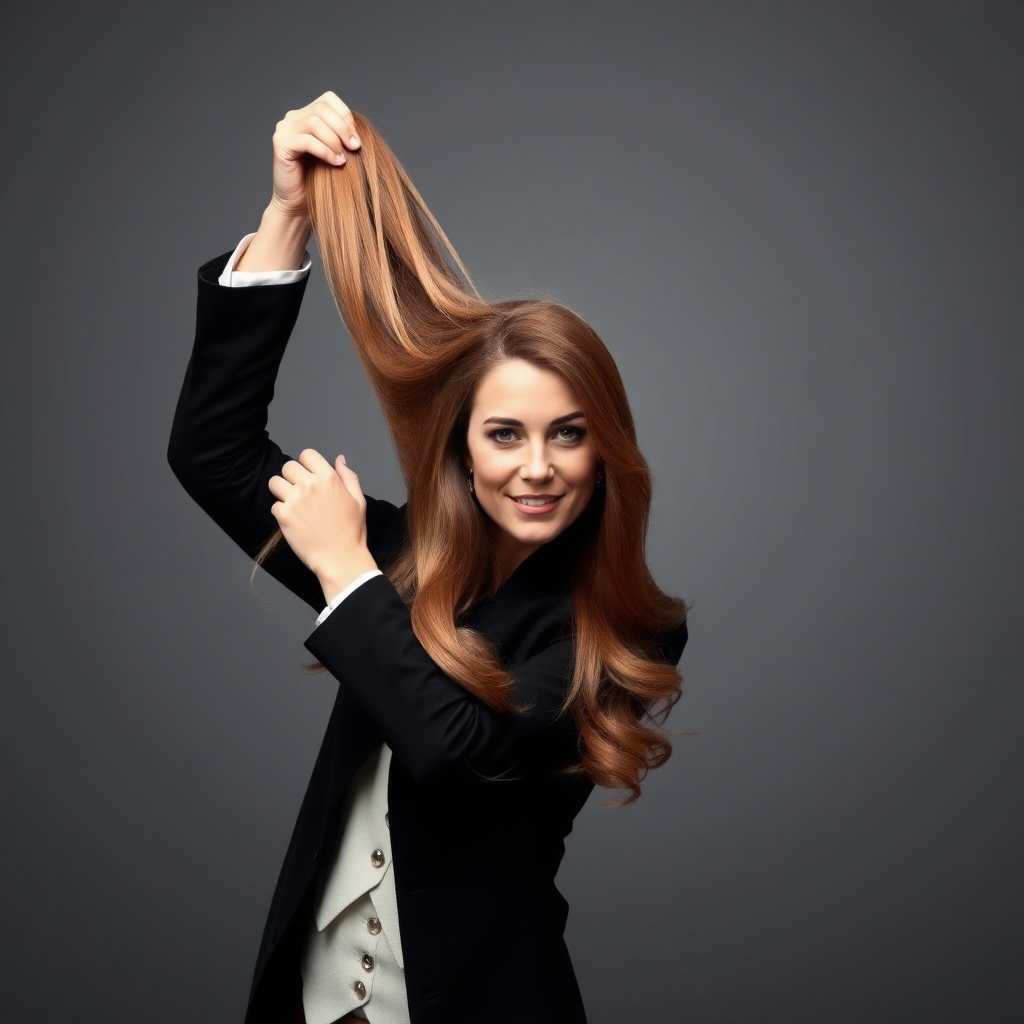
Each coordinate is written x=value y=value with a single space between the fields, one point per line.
x=426 y=338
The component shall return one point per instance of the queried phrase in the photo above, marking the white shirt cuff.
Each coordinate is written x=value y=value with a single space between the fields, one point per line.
x=231 y=278
x=338 y=598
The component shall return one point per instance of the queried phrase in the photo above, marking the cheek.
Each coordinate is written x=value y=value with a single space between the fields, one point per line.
x=499 y=464
x=584 y=470
x=491 y=471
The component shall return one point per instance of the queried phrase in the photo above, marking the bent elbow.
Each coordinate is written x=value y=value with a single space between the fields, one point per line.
x=176 y=457
x=194 y=470
x=184 y=465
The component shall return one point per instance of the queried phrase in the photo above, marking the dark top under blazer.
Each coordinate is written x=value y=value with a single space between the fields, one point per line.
x=477 y=814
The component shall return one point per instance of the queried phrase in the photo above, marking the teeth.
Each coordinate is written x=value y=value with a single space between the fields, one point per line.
x=534 y=501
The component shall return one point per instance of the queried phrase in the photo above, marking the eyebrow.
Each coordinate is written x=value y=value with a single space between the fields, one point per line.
x=505 y=421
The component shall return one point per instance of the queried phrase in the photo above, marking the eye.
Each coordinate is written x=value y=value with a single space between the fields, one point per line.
x=503 y=435
x=571 y=434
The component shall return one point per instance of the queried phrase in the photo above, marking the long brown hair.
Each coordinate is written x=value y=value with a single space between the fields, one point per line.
x=426 y=338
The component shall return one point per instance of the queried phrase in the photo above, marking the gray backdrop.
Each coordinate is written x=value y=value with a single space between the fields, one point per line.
x=798 y=226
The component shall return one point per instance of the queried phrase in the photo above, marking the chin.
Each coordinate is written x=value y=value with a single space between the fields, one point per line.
x=538 y=536
x=538 y=533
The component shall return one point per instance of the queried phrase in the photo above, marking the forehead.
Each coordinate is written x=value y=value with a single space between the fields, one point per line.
x=521 y=390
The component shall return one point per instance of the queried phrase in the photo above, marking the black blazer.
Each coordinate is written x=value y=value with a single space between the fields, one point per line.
x=477 y=811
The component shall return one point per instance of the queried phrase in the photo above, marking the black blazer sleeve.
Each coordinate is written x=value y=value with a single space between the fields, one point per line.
x=439 y=731
x=219 y=448
x=436 y=728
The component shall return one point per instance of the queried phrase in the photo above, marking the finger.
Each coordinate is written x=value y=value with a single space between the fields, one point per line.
x=349 y=478
x=294 y=471
x=344 y=470
x=342 y=123
x=349 y=134
x=309 y=135
x=312 y=145
x=314 y=461
x=317 y=125
x=288 y=146
x=331 y=97
x=322 y=120
x=351 y=482
x=279 y=487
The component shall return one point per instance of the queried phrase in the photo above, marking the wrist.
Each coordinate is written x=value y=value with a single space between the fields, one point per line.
x=335 y=578
x=285 y=220
x=278 y=244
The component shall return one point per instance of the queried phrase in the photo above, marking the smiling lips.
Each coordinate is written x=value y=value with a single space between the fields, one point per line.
x=534 y=504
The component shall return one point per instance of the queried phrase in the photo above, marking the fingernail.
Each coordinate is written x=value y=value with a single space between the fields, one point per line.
x=342 y=457
x=339 y=158
x=354 y=141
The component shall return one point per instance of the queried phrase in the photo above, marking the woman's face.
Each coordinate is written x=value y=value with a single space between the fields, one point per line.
x=533 y=461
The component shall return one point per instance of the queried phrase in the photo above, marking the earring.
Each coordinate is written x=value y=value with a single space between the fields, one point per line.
x=472 y=490
x=600 y=478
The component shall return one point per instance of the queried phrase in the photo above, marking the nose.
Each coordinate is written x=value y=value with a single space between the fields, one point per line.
x=537 y=465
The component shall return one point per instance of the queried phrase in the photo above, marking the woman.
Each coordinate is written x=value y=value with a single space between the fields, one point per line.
x=499 y=642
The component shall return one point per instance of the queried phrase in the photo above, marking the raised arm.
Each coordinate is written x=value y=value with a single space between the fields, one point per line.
x=219 y=448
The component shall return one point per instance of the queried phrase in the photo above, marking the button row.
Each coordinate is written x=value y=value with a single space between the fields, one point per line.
x=367 y=962
x=372 y=925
